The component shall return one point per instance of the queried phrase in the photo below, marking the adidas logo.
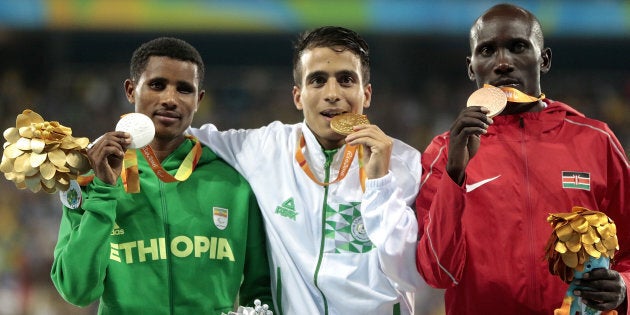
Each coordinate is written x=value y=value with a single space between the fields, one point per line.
x=287 y=209
x=117 y=230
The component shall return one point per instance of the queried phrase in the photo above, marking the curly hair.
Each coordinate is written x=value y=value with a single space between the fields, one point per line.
x=165 y=47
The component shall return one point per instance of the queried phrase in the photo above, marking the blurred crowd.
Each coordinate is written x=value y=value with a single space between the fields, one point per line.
x=89 y=98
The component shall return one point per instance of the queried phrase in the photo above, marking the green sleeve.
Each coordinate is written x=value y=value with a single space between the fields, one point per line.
x=256 y=281
x=82 y=252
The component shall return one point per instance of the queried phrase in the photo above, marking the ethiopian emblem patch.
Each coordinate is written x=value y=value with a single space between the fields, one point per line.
x=220 y=217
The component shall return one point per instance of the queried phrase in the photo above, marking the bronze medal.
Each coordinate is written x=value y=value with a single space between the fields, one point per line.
x=490 y=97
x=342 y=124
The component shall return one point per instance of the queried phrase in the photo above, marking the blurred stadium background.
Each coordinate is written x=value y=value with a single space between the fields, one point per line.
x=67 y=61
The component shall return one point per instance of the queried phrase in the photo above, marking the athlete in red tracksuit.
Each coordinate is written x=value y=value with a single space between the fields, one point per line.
x=486 y=245
x=489 y=184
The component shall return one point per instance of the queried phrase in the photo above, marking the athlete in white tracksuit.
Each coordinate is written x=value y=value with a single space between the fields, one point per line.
x=334 y=249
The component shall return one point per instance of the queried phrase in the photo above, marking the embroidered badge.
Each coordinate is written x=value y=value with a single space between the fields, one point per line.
x=576 y=180
x=72 y=197
x=220 y=217
x=358 y=230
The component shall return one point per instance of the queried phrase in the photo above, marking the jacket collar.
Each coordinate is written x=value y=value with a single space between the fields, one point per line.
x=314 y=152
x=553 y=111
x=550 y=118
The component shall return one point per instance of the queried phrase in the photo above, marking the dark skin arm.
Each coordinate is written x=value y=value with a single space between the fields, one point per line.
x=106 y=155
x=465 y=135
x=603 y=289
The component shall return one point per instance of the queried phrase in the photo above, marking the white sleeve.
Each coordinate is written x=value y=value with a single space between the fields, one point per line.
x=391 y=225
x=236 y=147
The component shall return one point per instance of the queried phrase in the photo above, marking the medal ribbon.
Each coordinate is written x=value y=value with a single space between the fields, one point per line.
x=515 y=96
x=130 y=175
x=362 y=175
x=348 y=156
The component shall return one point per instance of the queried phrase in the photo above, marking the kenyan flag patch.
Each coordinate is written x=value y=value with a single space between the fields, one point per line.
x=576 y=180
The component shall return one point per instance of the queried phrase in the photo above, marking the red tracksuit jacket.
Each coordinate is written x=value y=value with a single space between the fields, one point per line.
x=485 y=242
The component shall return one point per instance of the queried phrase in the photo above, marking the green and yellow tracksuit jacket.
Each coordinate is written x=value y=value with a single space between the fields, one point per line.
x=187 y=247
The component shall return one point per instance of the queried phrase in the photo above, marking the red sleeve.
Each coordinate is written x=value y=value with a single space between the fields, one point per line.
x=617 y=208
x=440 y=203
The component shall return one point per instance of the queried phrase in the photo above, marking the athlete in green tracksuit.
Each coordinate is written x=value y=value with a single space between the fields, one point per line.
x=189 y=246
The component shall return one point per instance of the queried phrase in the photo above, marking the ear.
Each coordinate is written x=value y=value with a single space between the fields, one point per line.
x=545 y=66
x=297 y=97
x=471 y=74
x=202 y=93
x=129 y=87
x=367 y=93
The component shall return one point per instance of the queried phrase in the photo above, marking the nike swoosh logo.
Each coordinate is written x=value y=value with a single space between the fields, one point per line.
x=471 y=187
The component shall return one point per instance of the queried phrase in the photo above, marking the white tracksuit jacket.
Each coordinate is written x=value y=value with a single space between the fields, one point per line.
x=335 y=249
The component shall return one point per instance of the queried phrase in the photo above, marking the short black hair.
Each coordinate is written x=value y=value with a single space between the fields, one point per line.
x=332 y=37
x=165 y=47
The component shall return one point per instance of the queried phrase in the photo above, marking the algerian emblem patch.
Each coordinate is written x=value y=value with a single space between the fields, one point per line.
x=358 y=230
x=220 y=217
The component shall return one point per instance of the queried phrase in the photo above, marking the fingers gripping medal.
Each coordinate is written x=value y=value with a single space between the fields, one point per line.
x=142 y=130
x=342 y=124
x=139 y=126
x=490 y=97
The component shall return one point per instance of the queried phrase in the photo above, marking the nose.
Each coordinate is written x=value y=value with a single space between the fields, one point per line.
x=169 y=97
x=332 y=91
x=503 y=62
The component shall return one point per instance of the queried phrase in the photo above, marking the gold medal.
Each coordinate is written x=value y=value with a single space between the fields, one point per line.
x=490 y=97
x=342 y=124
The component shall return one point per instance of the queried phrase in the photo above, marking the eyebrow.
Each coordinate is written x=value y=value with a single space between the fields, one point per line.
x=351 y=73
x=186 y=84
x=314 y=74
x=178 y=82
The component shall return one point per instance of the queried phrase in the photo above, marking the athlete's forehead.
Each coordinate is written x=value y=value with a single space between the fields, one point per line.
x=506 y=21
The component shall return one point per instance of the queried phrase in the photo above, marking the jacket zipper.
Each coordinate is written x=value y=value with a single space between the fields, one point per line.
x=529 y=218
x=329 y=156
x=167 y=237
